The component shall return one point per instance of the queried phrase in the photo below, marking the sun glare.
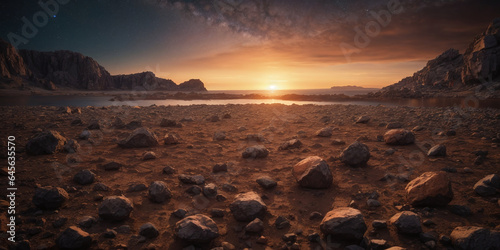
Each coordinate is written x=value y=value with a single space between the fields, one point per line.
x=272 y=87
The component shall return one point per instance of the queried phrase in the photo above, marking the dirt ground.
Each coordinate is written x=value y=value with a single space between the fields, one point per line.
x=198 y=153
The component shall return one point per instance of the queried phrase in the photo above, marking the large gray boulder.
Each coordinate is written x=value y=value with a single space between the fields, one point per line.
x=139 y=138
x=74 y=238
x=115 y=208
x=313 y=172
x=356 y=154
x=197 y=229
x=49 y=197
x=344 y=223
x=429 y=189
x=47 y=142
x=247 y=206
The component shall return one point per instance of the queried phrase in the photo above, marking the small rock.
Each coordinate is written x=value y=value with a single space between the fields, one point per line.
x=210 y=190
x=487 y=186
x=192 y=179
x=217 y=213
x=219 y=136
x=84 y=177
x=407 y=222
x=213 y=118
x=436 y=151
x=257 y=151
x=325 y=132
x=399 y=137
x=194 y=190
x=363 y=119
x=356 y=154
x=470 y=237
x=158 y=192
x=313 y=172
x=429 y=189
x=197 y=229
x=289 y=238
x=86 y=222
x=49 y=197
x=171 y=139
x=291 y=144
x=115 y=208
x=85 y=135
x=74 y=238
x=71 y=146
x=247 y=206
x=47 y=142
x=139 y=138
x=373 y=203
x=149 y=155
x=110 y=234
x=281 y=222
x=112 y=166
x=169 y=123
x=255 y=226
x=137 y=187
x=266 y=182
x=262 y=240
x=379 y=224
x=344 y=222
x=394 y=125
x=168 y=170
x=314 y=237
x=179 y=213
x=219 y=167
x=149 y=231
x=315 y=216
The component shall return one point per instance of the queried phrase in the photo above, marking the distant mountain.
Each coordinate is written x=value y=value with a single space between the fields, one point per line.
x=67 y=69
x=454 y=72
x=350 y=87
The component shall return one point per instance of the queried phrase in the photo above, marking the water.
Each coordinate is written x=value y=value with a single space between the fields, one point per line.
x=99 y=101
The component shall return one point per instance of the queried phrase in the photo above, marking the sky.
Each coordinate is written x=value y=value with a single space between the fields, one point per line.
x=252 y=44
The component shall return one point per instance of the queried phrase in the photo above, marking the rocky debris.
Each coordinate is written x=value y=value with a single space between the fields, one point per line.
x=247 y=206
x=158 y=192
x=115 y=208
x=74 y=238
x=281 y=222
x=220 y=167
x=291 y=144
x=313 y=172
x=110 y=166
x=289 y=238
x=192 y=179
x=345 y=223
x=429 y=189
x=356 y=154
x=85 y=135
x=470 y=237
x=325 y=132
x=86 y=222
x=136 y=187
x=109 y=234
x=257 y=151
x=266 y=182
x=170 y=123
x=210 y=190
x=84 y=177
x=407 y=222
x=488 y=186
x=255 y=226
x=148 y=155
x=229 y=188
x=197 y=229
x=394 y=125
x=217 y=213
x=149 y=231
x=438 y=150
x=139 y=138
x=363 y=119
x=379 y=224
x=71 y=146
x=194 y=190
x=171 y=139
x=47 y=142
x=219 y=136
x=49 y=197
x=399 y=137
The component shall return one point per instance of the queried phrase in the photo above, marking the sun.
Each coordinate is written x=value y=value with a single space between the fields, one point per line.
x=272 y=87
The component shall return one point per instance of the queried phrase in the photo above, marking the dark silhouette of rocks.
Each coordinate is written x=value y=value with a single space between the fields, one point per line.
x=68 y=69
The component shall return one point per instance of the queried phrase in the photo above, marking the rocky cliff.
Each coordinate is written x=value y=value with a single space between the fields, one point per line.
x=452 y=71
x=72 y=70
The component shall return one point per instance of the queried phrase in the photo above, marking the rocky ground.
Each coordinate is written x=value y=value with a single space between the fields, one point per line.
x=243 y=176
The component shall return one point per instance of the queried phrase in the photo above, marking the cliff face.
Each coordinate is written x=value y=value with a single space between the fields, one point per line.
x=453 y=71
x=73 y=70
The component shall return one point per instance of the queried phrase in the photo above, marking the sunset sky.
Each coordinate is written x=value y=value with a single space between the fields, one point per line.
x=237 y=44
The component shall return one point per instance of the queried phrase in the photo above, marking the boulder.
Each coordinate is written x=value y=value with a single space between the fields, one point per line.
x=344 y=223
x=429 y=189
x=313 y=172
x=488 y=186
x=171 y=139
x=49 y=197
x=47 y=142
x=197 y=229
x=258 y=151
x=219 y=136
x=356 y=154
x=139 y=138
x=210 y=190
x=191 y=179
x=470 y=237
x=149 y=231
x=74 y=238
x=399 y=137
x=436 y=151
x=363 y=119
x=158 y=192
x=247 y=206
x=266 y=182
x=255 y=226
x=115 y=208
x=407 y=222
